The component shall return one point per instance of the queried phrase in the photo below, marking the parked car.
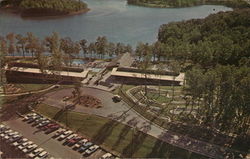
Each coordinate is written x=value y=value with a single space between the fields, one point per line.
x=116 y=98
x=79 y=144
x=107 y=156
x=19 y=142
x=48 y=126
x=35 y=152
x=28 y=116
x=37 y=121
x=25 y=144
x=69 y=138
x=2 y=126
x=91 y=150
x=85 y=146
x=74 y=140
x=59 y=132
x=42 y=154
x=43 y=123
x=51 y=129
x=14 y=138
x=32 y=119
x=29 y=148
x=25 y=149
x=64 y=135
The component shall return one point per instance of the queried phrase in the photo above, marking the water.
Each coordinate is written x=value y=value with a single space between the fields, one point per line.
x=78 y=62
x=112 y=18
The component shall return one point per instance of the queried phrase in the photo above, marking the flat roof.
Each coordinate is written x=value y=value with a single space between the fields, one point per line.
x=179 y=78
x=62 y=73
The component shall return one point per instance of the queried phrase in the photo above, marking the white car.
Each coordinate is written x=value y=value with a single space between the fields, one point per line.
x=26 y=146
x=32 y=146
x=15 y=144
x=27 y=143
x=91 y=150
x=106 y=156
x=20 y=147
x=6 y=137
x=79 y=144
x=71 y=136
x=35 y=152
x=2 y=126
x=64 y=135
x=43 y=154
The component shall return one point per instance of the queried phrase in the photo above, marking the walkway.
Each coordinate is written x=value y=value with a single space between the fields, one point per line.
x=124 y=114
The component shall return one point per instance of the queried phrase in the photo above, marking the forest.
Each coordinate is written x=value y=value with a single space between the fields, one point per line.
x=188 y=3
x=215 y=52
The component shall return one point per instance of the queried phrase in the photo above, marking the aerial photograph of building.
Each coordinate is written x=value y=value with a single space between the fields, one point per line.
x=114 y=79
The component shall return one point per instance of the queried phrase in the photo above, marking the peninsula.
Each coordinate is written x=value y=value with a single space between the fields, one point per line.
x=44 y=8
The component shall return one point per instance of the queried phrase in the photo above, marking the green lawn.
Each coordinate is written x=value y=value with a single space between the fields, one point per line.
x=124 y=88
x=116 y=137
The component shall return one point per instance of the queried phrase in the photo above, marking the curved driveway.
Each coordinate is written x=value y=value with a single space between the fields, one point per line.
x=124 y=114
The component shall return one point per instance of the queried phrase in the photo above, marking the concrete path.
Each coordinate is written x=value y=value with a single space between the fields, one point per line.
x=123 y=113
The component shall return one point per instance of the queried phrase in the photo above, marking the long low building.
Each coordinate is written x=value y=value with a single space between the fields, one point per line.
x=132 y=77
x=34 y=75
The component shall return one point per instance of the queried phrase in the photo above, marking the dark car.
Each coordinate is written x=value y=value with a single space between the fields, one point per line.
x=51 y=129
x=74 y=140
x=46 y=127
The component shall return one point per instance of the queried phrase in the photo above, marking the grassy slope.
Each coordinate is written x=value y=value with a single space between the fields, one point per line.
x=115 y=136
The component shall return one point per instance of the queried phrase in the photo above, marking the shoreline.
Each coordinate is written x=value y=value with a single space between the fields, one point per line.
x=209 y=2
x=17 y=11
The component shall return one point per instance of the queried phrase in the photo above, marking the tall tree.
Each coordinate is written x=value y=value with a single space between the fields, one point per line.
x=21 y=43
x=84 y=46
x=11 y=47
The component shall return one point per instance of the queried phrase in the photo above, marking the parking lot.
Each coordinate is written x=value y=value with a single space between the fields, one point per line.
x=53 y=146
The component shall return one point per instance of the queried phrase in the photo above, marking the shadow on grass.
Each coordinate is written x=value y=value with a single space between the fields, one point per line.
x=59 y=114
x=104 y=132
x=135 y=144
x=16 y=104
x=122 y=136
x=160 y=149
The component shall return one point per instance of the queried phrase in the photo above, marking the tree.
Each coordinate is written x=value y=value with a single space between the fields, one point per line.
x=3 y=53
x=139 y=50
x=42 y=60
x=92 y=49
x=32 y=43
x=111 y=49
x=21 y=43
x=11 y=39
x=145 y=64
x=101 y=46
x=84 y=46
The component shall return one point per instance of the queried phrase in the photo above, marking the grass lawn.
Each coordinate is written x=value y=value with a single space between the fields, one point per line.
x=124 y=88
x=114 y=136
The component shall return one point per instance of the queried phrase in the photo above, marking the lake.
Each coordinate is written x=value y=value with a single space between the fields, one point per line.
x=112 y=18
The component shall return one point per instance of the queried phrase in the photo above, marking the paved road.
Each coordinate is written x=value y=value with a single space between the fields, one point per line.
x=53 y=146
x=132 y=118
